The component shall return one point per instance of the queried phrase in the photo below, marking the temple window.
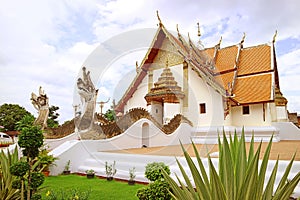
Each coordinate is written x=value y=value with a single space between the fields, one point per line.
x=246 y=110
x=202 y=108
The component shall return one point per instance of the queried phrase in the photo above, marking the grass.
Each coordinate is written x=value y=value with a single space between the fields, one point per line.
x=100 y=188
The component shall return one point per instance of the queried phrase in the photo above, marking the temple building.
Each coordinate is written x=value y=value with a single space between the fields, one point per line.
x=215 y=88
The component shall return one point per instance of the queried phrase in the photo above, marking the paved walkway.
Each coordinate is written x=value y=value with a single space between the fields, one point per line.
x=285 y=150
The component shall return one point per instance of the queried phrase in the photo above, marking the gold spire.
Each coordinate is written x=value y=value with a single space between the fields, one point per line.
x=199 y=33
x=136 y=66
x=243 y=39
x=158 y=18
x=274 y=37
x=219 y=41
x=165 y=90
x=177 y=29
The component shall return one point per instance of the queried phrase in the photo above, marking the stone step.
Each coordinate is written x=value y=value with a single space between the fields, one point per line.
x=124 y=162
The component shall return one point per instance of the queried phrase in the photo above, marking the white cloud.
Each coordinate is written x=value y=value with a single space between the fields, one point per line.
x=46 y=42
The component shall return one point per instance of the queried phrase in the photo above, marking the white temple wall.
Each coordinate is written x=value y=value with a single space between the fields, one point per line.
x=170 y=110
x=254 y=118
x=281 y=114
x=201 y=93
x=157 y=111
x=273 y=112
x=228 y=118
x=137 y=99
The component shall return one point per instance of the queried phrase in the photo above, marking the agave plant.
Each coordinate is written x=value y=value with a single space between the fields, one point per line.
x=7 y=192
x=240 y=175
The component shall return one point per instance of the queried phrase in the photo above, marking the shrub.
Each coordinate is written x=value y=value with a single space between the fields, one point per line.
x=7 y=180
x=110 y=169
x=19 y=169
x=37 y=179
x=158 y=188
x=153 y=170
x=30 y=141
x=132 y=174
x=36 y=196
x=143 y=193
x=16 y=184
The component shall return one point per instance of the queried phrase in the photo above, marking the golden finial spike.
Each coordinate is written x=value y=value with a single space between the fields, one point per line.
x=158 y=18
x=199 y=33
x=189 y=36
x=220 y=41
x=274 y=37
x=243 y=39
x=177 y=30
x=136 y=66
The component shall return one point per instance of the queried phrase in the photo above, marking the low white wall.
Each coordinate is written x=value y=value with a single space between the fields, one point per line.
x=78 y=150
x=74 y=150
x=209 y=134
x=132 y=137
x=287 y=130
x=53 y=143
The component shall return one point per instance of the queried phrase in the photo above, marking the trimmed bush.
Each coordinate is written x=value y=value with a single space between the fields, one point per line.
x=153 y=170
x=19 y=169
x=158 y=189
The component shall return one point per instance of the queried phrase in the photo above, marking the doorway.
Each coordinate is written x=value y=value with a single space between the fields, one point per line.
x=145 y=135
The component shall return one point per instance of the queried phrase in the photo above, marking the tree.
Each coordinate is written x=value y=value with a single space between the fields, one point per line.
x=10 y=114
x=52 y=118
x=30 y=141
x=110 y=115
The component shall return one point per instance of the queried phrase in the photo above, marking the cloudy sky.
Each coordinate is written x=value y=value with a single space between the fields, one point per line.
x=45 y=43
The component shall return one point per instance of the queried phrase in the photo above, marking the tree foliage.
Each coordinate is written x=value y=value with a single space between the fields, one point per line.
x=10 y=114
x=30 y=140
x=110 y=115
x=53 y=116
x=26 y=121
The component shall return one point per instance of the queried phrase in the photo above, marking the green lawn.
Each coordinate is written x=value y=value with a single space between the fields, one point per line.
x=100 y=188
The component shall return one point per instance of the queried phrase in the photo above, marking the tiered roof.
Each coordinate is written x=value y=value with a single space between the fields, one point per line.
x=165 y=89
x=243 y=75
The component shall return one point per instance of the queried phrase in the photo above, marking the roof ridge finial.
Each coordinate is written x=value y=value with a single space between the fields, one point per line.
x=158 y=18
x=274 y=37
x=136 y=66
x=243 y=39
x=219 y=44
x=199 y=33
x=177 y=28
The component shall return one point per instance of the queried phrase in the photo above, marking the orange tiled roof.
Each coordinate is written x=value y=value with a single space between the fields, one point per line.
x=254 y=73
x=254 y=60
x=210 y=51
x=226 y=58
x=253 y=89
x=226 y=78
